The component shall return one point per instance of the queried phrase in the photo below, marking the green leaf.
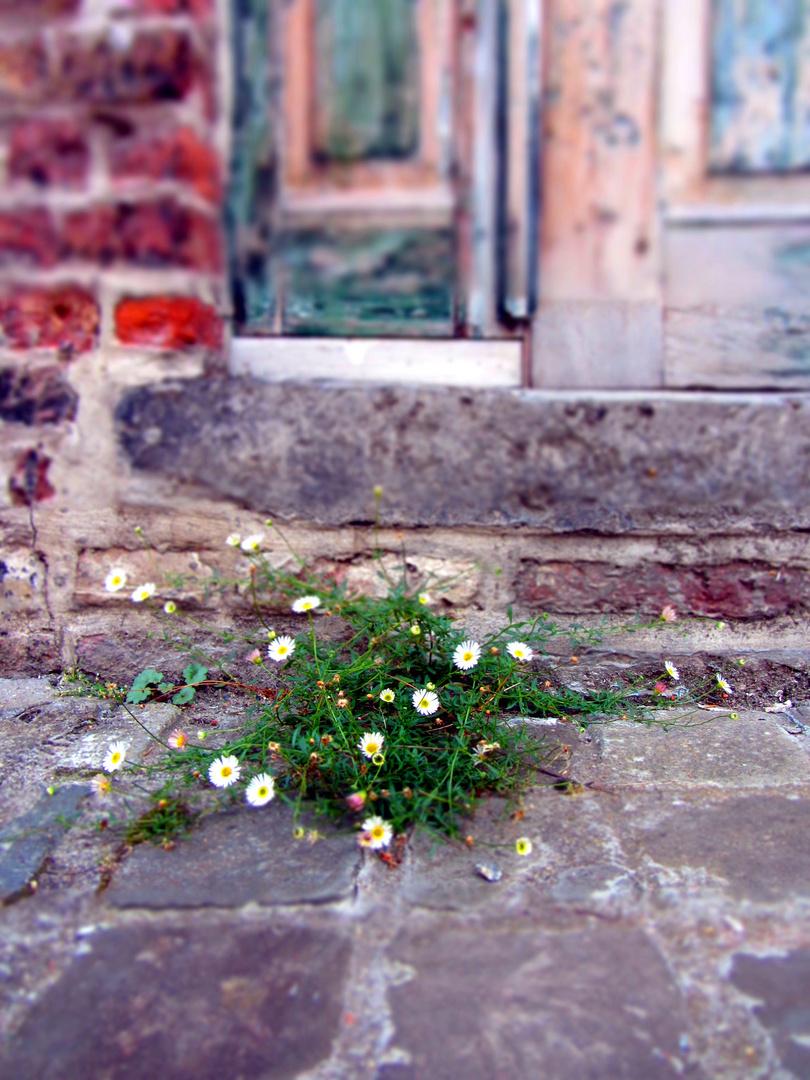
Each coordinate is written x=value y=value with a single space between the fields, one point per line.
x=194 y=673
x=134 y=697
x=150 y=677
x=183 y=696
x=164 y=686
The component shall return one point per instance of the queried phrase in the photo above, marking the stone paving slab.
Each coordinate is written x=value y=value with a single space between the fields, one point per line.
x=520 y=1002
x=33 y=836
x=780 y=986
x=240 y=857
x=752 y=752
x=212 y=1002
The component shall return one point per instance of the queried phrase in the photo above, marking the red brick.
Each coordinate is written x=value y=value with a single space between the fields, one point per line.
x=156 y=66
x=64 y=318
x=23 y=71
x=48 y=152
x=28 y=235
x=172 y=155
x=737 y=590
x=37 y=396
x=157 y=234
x=168 y=322
x=37 y=9
x=29 y=482
x=200 y=9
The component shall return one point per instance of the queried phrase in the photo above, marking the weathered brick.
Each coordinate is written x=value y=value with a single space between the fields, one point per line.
x=738 y=590
x=154 y=66
x=23 y=71
x=29 y=482
x=191 y=575
x=48 y=152
x=37 y=396
x=64 y=318
x=22 y=581
x=162 y=233
x=170 y=155
x=168 y=322
x=28 y=235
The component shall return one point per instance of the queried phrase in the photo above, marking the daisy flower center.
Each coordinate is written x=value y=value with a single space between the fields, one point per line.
x=115 y=759
x=281 y=650
x=225 y=771
x=377 y=833
x=424 y=703
x=262 y=792
x=468 y=656
x=372 y=747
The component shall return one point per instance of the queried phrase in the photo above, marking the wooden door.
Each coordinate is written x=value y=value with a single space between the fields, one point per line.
x=385 y=166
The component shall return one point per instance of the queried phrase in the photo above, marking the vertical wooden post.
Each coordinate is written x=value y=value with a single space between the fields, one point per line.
x=599 y=322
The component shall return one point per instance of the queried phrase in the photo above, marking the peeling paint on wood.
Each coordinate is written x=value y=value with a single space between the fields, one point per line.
x=760 y=121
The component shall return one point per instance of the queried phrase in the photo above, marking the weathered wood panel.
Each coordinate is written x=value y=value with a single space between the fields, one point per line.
x=760 y=108
x=600 y=244
x=737 y=312
x=393 y=281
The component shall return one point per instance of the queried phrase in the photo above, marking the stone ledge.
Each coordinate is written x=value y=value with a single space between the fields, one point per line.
x=601 y=462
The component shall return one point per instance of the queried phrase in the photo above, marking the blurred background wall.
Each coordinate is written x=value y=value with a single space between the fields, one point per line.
x=539 y=267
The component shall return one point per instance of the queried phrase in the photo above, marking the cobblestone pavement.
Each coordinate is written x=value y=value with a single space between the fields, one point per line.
x=660 y=927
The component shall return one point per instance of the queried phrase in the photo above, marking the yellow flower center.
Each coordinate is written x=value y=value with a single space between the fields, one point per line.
x=372 y=747
x=116 y=758
x=424 y=703
x=262 y=792
x=282 y=650
x=225 y=770
x=468 y=656
x=378 y=832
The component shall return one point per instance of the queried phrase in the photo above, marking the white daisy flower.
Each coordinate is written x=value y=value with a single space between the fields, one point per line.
x=671 y=670
x=387 y=695
x=234 y=540
x=115 y=580
x=467 y=655
x=224 y=771
x=281 y=648
x=425 y=702
x=424 y=598
x=260 y=790
x=306 y=603
x=101 y=785
x=114 y=758
x=482 y=749
x=723 y=684
x=523 y=845
x=371 y=744
x=520 y=651
x=143 y=592
x=378 y=833
x=253 y=542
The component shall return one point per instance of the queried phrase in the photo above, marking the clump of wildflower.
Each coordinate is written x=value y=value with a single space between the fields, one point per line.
x=425 y=702
x=281 y=648
x=260 y=790
x=668 y=613
x=170 y=607
x=178 y=740
x=224 y=771
x=519 y=650
x=101 y=785
x=143 y=592
x=115 y=580
x=376 y=833
x=387 y=695
x=671 y=670
x=114 y=758
x=306 y=603
x=467 y=655
x=252 y=542
x=523 y=845
x=234 y=539
x=371 y=744
x=721 y=682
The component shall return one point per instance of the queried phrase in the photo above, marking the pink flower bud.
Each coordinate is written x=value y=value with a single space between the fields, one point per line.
x=356 y=801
